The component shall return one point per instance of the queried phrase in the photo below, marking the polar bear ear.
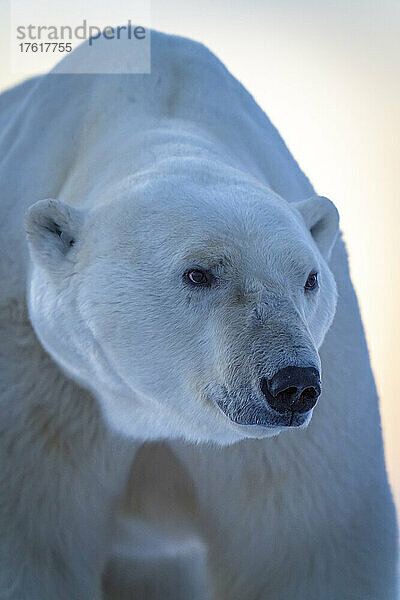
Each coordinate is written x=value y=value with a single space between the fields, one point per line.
x=322 y=219
x=52 y=228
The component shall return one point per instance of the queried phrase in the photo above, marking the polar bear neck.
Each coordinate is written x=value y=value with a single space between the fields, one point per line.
x=76 y=120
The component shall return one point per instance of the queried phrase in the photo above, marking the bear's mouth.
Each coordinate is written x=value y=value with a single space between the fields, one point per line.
x=254 y=411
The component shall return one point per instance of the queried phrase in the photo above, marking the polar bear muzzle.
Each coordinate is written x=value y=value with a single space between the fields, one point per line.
x=293 y=389
x=286 y=399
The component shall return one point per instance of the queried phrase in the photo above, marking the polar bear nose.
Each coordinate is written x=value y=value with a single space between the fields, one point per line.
x=292 y=388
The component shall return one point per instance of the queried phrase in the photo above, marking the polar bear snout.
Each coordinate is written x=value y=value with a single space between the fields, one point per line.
x=294 y=389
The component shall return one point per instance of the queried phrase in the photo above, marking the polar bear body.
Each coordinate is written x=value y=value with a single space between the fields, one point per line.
x=302 y=504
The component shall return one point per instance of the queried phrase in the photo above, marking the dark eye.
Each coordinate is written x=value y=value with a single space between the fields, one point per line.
x=197 y=277
x=312 y=282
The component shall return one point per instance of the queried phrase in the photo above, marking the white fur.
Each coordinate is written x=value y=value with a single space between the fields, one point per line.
x=140 y=178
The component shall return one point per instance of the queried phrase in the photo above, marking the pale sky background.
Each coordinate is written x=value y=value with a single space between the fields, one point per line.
x=327 y=74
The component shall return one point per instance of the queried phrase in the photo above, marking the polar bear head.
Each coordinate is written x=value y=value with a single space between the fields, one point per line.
x=191 y=306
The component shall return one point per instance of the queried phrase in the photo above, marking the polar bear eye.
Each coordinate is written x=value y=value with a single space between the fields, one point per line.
x=197 y=277
x=312 y=282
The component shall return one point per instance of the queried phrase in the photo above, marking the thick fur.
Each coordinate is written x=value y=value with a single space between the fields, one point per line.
x=124 y=183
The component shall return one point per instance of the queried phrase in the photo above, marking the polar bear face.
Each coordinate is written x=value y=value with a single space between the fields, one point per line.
x=191 y=309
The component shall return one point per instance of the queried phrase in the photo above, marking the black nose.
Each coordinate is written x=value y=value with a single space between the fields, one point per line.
x=292 y=388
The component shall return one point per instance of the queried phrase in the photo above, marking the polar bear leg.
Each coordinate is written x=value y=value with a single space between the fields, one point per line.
x=60 y=472
x=158 y=553
x=152 y=565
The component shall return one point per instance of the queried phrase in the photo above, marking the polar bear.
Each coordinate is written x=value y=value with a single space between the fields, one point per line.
x=173 y=284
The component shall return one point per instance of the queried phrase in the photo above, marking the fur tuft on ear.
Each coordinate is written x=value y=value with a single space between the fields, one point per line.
x=52 y=228
x=322 y=219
